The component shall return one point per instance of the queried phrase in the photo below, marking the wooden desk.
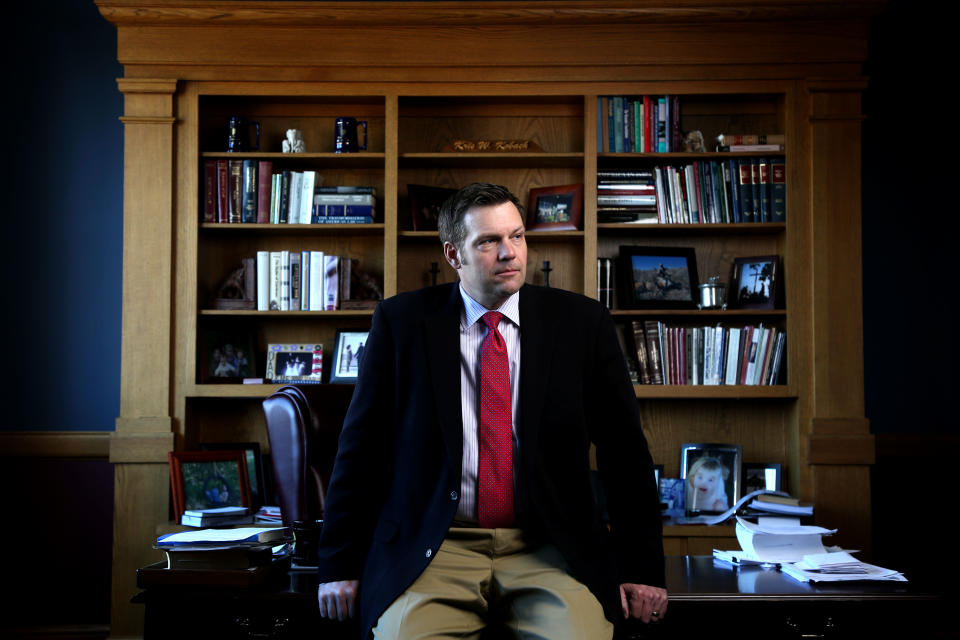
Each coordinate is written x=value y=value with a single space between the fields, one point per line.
x=706 y=597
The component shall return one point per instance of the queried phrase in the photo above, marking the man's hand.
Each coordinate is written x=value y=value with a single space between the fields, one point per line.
x=640 y=601
x=337 y=599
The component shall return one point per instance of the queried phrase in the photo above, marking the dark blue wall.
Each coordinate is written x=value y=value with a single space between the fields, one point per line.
x=63 y=219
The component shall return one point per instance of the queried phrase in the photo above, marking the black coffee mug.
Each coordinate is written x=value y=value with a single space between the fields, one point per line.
x=345 y=135
x=238 y=134
x=306 y=540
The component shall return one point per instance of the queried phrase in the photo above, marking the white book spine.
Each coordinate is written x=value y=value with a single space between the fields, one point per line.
x=733 y=343
x=263 y=280
x=306 y=197
x=274 y=198
x=296 y=183
x=761 y=356
x=754 y=353
x=284 y=281
x=331 y=286
x=316 y=280
x=275 y=273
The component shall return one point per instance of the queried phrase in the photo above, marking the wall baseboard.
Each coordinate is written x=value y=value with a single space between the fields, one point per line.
x=59 y=632
x=55 y=444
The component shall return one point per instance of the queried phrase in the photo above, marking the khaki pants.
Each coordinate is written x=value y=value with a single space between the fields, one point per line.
x=479 y=571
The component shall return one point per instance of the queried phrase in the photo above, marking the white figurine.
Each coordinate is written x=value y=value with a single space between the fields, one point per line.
x=294 y=142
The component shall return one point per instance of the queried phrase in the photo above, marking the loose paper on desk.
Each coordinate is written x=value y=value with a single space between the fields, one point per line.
x=777 y=540
x=837 y=567
x=717 y=519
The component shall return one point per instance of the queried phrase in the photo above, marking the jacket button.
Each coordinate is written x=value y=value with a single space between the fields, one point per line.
x=453 y=495
x=429 y=552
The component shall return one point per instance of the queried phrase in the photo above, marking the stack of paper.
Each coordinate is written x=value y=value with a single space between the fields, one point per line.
x=774 y=540
x=837 y=567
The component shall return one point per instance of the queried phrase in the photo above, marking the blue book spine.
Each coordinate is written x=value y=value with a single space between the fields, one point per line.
x=734 y=191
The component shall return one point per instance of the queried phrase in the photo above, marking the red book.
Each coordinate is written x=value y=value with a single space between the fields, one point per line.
x=223 y=191
x=210 y=191
x=264 y=188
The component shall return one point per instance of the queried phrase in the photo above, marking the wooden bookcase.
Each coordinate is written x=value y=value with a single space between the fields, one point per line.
x=424 y=75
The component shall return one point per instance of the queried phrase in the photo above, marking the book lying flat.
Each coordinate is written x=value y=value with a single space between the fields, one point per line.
x=241 y=535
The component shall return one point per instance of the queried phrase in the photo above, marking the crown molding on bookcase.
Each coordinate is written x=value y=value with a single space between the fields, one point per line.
x=365 y=14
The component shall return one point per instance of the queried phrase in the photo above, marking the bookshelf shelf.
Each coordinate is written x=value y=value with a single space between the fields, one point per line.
x=712 y=392
x=758 y=228
x=251 y=313
x=301 y=229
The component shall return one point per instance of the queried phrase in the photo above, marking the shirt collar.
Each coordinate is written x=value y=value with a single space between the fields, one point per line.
x=473 y=310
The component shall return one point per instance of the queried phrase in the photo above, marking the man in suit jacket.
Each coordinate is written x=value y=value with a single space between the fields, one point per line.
x=401 y=522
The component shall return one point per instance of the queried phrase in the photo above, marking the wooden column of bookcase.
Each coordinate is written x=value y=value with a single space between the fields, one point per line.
x=424 y=75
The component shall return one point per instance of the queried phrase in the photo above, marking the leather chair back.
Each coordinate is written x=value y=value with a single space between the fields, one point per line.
x=303 y=426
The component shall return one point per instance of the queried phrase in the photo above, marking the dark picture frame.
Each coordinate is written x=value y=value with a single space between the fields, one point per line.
x=762 y=475
x=208 y=479
x=755 y=282
x=657 y=277
x=226 y=356
x=425 y=202
x=555 y=208
x=347 y=355
x=254 y=459
x=711 y=474
x=300 y=363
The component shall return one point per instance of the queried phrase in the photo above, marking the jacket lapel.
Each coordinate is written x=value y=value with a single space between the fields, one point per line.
x=442 y=337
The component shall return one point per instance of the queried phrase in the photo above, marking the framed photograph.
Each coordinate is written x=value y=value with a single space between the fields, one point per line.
x=711 y=474
x=555 y=208
x=255 y=476
x=225 y=356
x=425 y=202
x=657 y=278
x=208 y=479
x=348 y=354
x=297 y=363
x=762 y=475
x=755 y=282
x=672 y=497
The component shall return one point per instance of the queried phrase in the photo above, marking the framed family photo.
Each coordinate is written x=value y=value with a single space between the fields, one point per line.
x=711 y=474
x=657 y=278
x=555 y=208
x=255 y=475
x=755 y=282
x=296 y=363
x=347 y=355
x=425 y=202
x=208 y=480
x=225 y=356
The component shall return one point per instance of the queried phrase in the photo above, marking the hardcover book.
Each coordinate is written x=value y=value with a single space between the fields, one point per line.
x=210 y=195
x=249 y=193
x=264 y=190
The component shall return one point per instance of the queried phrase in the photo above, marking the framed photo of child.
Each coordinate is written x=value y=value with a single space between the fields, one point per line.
x=711 y=474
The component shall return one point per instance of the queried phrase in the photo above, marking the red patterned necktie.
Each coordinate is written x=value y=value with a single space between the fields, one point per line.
x=495 y=465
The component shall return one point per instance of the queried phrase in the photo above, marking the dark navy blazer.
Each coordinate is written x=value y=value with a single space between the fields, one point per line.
x=396 y=481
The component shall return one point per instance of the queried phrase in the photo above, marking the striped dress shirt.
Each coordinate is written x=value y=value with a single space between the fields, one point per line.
x=472 y=333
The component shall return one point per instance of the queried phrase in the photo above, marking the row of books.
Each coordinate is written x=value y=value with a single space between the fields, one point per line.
x=299 y=281
x=638 y=124
x=249 y=191
x=736 y=190
x=717 y=355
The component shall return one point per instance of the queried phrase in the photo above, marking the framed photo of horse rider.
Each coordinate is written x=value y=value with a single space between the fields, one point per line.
x=657 y=278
